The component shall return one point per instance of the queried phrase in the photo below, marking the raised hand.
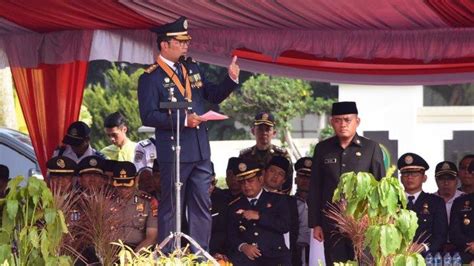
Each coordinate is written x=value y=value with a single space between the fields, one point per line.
x=234 y=69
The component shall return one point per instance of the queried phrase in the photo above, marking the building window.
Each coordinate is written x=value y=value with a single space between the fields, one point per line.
x=449 y=95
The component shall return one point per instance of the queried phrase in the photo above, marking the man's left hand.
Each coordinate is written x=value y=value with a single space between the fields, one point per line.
x=251 y=215
x=234 y=69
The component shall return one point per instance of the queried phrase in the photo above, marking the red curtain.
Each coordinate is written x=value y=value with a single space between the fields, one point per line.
x=50 y=97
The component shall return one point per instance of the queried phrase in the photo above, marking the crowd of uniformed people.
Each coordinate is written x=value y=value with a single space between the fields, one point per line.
x=256 y=220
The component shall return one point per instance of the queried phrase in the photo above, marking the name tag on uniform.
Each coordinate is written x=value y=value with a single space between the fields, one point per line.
x=330 y=160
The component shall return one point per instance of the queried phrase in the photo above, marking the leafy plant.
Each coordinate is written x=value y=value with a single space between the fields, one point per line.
x=32 y=226
x=128 y=257
x=373 y=215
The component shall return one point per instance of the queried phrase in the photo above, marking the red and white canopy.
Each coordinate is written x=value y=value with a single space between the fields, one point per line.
x=48 y=43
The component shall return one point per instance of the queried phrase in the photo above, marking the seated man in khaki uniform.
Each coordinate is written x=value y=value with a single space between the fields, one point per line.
x=141 y=227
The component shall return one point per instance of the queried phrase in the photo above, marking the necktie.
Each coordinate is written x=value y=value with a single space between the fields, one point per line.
x=411 y=204
x=253 y=202
x=179 y=72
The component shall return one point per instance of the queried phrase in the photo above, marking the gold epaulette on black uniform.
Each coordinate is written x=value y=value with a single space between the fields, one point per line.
x=151 y=68
x=233 y=201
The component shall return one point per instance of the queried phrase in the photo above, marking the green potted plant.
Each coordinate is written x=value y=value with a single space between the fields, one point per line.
x=32 y=226
x=373 y=215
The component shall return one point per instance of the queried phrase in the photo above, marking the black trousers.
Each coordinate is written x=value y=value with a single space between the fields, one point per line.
x=337 y=248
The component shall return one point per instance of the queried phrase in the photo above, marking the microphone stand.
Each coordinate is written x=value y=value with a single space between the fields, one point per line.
x=173 y=104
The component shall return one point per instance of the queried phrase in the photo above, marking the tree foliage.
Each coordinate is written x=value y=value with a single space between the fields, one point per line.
x=120 y=94
x=285 y=98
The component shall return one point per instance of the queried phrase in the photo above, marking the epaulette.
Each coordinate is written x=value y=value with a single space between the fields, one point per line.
x=246 y=150
x=145 y=195
x=279 y=149
x=145 y=142
x=151 y=68
x=233 y=201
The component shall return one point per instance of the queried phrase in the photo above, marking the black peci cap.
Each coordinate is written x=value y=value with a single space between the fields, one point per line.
x=279 y=161
x=344 y=108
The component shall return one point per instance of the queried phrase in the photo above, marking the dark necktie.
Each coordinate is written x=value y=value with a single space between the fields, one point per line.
x=179 y=72
x=253 y=202
x=411 y=204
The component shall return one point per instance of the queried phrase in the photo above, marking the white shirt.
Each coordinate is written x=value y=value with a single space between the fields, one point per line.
x=68 y=152
x=449 y=203
x=416 y=195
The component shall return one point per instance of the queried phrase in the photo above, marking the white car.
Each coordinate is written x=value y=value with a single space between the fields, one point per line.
x=16 y=152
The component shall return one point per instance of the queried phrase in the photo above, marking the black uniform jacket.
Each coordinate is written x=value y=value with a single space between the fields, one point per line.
x=432 y=221
x=461 y=226
x=267 y=232
x=330 y=160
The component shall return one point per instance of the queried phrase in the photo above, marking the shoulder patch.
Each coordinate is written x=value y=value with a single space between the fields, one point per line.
x=234 y=201
x=151 y=68
x=145 y=142
x=246 y=150
x=279 y=149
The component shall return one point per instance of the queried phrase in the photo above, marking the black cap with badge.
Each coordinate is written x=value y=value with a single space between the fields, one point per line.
x=411 y=162
x=61 y=166
x=280 y=162
x=91 y=164
x=247 y=170
x=77 y=133
x=446 y=170
x=177 y=30
x=303 y=166
x=124 y=174
x=264 y=118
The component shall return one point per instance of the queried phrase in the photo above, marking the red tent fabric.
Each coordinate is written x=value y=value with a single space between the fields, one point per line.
x=364 y=41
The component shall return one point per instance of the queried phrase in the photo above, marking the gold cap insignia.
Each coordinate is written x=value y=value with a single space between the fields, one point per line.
x=123 y=173
x=265 y=116
x=73 y=132
x=445 y=166
x=308 y=163
x=185 y=24
x=61 y=163
x=93 y=162
x=242 y=167
x=358 y=154
x=408 y=159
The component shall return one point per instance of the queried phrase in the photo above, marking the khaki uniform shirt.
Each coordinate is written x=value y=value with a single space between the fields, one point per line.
x=141 y=211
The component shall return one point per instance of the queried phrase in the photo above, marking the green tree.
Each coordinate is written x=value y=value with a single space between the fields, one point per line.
x=285 y=98
x=120 y=94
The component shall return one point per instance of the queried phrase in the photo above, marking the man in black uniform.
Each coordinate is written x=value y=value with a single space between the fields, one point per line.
x=233 y=189
x=218 y=243
x=274 y=178
x=430 y=209
x=302 y=180
x=461 y=227
x=91 y=173
x=257 y=222
x=345 y=152
x=264 y=130
x=61 y=172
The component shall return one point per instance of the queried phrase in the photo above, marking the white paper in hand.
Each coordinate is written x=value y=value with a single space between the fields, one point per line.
x=211 y=115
